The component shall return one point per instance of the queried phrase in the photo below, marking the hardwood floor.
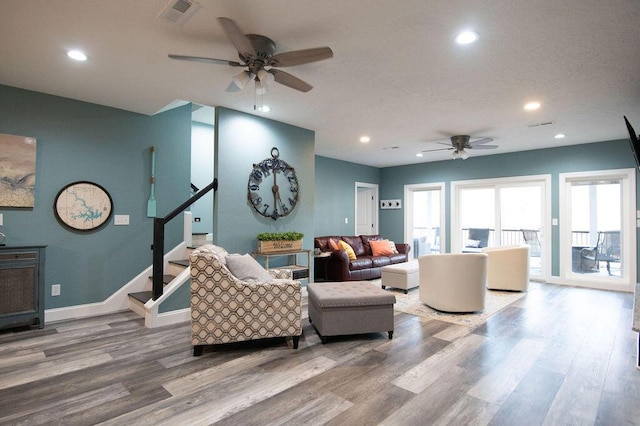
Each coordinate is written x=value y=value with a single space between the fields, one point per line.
x=557 y=356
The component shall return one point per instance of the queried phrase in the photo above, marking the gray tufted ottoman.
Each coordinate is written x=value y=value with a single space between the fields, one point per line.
x=353 y=307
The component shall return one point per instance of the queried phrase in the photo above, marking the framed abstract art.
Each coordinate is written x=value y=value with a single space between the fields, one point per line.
x=17 y=171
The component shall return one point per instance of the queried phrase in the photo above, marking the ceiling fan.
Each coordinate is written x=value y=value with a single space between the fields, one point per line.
x=258 y=54
x=461 y=142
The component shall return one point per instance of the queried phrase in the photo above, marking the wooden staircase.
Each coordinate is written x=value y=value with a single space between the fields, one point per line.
x=176 y=274
x=142 y=297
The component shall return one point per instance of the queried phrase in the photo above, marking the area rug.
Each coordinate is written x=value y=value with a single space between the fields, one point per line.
x=495 y=301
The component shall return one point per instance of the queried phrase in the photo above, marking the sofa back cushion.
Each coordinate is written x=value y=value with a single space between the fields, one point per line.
x=323 y=242
x=356 y=244
x=365 y=242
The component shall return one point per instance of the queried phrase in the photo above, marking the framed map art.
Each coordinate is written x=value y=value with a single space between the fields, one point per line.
x=17 y=170
x=83 y=206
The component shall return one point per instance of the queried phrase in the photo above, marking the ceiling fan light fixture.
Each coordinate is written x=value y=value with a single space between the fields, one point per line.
x=242 y=79
x=455 y=155
x=463 y=154
x=266 y=78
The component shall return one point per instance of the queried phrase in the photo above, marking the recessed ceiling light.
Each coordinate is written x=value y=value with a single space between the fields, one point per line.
x=77 y=55
x=264 y=108
x=560 y=136
x=467 y=37
x=419 y=154
x=532 y=106
x=365 y=139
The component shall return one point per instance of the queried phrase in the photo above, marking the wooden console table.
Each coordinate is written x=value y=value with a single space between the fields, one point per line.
x=299 y=271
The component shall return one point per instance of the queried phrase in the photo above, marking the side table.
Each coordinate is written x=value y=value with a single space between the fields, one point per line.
x=320 y=263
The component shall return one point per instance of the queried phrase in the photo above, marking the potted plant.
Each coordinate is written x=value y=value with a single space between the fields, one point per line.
x=274 y=242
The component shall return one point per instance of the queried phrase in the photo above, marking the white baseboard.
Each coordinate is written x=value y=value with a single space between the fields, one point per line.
x=173 y=317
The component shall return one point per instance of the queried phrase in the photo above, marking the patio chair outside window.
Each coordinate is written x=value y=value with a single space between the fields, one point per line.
x=478 y=238
x=531 y=237
x=607 y=249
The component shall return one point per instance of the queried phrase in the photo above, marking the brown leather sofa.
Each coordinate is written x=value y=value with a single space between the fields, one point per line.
x=365 y=266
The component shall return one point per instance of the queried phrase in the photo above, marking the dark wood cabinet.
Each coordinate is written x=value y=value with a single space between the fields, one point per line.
x=21 y=286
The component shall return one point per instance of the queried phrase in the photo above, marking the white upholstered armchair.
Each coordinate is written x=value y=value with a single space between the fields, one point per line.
x=226 y=309
x=508 y=267
x=453 y=282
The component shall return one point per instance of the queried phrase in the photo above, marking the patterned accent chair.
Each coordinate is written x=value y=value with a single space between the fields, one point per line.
x=225 y=309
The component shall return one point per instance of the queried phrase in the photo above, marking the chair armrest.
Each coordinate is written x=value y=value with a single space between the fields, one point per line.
x=403 y=248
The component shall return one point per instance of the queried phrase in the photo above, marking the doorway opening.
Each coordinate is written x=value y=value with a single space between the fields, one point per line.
x=366 y=213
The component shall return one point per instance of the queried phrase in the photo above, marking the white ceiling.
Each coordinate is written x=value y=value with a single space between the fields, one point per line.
x=396 y=74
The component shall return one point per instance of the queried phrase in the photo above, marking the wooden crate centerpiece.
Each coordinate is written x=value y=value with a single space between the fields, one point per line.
x=277 y=242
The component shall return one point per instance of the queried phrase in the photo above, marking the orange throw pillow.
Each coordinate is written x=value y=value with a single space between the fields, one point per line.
x=381 y=248
x=346 y=247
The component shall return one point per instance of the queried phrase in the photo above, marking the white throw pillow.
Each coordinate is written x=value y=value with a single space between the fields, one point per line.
x=246 y=268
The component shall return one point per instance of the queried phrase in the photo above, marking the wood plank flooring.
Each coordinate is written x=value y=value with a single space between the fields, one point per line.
x=558 y=356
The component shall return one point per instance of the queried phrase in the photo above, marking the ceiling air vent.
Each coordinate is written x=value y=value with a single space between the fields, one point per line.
x=179 y=11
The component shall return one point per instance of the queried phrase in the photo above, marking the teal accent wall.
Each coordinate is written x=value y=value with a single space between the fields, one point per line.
x=241 y=141
x=577 y=158
x=335 y=195
x=82 y=141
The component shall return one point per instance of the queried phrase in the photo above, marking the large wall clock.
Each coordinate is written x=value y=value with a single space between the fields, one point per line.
x=273 y=187
x=83 y=206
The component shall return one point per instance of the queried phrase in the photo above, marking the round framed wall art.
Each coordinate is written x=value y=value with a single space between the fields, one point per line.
x=83 y=206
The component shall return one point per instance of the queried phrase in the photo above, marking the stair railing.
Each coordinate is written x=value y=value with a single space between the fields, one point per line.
x=158 y=238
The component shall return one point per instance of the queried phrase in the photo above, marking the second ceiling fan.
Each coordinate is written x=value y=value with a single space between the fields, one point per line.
x=459 y=143
x=258 y=54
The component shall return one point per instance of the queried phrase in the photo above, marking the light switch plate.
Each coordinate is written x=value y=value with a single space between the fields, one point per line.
x=0 y=219
x=121 y=219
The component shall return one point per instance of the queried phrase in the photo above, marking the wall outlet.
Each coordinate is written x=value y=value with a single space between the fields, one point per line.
x=55 y=290
x=346 y=220
x=121 y=219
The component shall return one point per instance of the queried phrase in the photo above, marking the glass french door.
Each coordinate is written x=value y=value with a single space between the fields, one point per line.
x=424 y=218
x=508 y=212
x=597 y=229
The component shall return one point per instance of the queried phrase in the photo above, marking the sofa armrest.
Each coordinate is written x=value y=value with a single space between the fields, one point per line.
x=338 y=265
x=403 y=248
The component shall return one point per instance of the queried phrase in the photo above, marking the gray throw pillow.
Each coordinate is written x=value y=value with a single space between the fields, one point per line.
x=246 y=268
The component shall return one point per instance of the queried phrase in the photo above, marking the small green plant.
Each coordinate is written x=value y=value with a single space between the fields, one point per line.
x=273 y=236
